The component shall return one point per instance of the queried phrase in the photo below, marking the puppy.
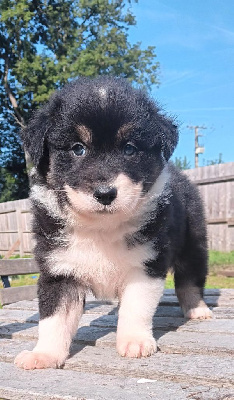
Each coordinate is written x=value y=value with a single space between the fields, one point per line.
x=110 y=215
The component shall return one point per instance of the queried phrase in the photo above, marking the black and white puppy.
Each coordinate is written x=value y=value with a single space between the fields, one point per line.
x=110 y=215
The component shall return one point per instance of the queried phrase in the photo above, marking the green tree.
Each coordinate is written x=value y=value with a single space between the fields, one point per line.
x=44 y=44
x=182 y=163
x=214 y=162
x=13 y=176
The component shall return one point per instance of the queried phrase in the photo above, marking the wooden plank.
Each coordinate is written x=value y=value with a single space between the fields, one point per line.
x=5 y=211
x=181 y=342
x=20 y=233
x=223 y=312
x=27 y=311
x=165 y=323
x=15 y=231
x=9 y=231
x=18 y=316
x=194 y=362
x=18 y=330
x=73 y=385
x=18 y=266
x=198 y=356
x=168 y=305
x=8 y=225
x=210 y=301
x=14 y=294
x=196 y=343
x=170 y=367
x=207 y=292
x=162 y=311
x=173 y=367
x=31 y=305
x=208 y=325
x=226 y=273
x=216 y=221
x=102 y=321
x=93 y=308
x=218 y=179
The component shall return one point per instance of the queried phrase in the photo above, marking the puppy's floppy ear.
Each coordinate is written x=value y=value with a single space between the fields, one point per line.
x=169 y=137
x=34 y=136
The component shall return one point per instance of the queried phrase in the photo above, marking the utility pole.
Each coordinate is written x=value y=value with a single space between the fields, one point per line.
x=198 y=149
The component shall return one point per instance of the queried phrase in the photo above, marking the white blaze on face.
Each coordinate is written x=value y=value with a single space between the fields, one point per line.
x=129 y=195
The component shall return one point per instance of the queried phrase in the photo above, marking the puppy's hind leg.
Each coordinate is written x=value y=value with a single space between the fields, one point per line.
x=190 y=276
x=61 y=306
x=192 y=303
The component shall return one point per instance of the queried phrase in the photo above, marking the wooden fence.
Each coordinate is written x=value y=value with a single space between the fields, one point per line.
x=15 y=223
x=216 y=184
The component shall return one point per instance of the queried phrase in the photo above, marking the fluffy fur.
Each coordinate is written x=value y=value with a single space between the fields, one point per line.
x=111 y=215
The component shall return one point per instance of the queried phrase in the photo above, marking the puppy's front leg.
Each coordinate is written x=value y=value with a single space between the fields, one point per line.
x=139 y=300
x=61 y=305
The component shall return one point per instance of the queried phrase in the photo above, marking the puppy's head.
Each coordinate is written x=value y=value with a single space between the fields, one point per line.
x=100 y=144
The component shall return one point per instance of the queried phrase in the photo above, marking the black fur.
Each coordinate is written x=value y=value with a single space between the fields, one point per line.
x=176 y=225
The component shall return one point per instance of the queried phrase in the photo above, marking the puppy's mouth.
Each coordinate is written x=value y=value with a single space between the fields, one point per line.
x=105 y=210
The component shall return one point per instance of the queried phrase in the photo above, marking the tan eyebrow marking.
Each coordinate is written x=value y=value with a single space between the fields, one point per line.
x=124 y=130
x=85 y=133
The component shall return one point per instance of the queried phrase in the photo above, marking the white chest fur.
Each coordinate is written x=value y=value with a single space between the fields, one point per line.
x=99 y=260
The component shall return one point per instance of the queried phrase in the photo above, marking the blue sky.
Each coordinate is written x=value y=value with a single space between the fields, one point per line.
x=194 y=42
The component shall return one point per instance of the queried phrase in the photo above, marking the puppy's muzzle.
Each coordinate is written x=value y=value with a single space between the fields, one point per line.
x=105 y=195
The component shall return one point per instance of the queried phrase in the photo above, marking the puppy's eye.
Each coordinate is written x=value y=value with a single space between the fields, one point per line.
x=129 y=149
x=78 y=149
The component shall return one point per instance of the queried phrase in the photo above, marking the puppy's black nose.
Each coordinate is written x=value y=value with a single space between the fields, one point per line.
x=105 y=195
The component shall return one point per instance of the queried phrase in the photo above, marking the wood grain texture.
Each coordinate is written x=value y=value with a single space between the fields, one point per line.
x=13 y=294
x=195 y=359
x=18 y=266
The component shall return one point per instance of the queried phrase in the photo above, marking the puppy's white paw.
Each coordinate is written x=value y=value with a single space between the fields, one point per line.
x=136 y=346
x=33 y=360
x=199 y=313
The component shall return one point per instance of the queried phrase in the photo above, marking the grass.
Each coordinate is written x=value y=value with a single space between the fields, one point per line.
x=213 y=282
x=220 y=258
x=22 y=280
x=217 y=261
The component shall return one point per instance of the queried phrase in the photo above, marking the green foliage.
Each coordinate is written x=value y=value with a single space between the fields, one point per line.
x=221 y=258
x=13 y=177
x=214 y=162
x=212 y=282
x=182 y=163
x=45 y=44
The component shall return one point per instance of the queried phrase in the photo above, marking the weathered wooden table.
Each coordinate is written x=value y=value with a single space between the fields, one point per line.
x=195 y=359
